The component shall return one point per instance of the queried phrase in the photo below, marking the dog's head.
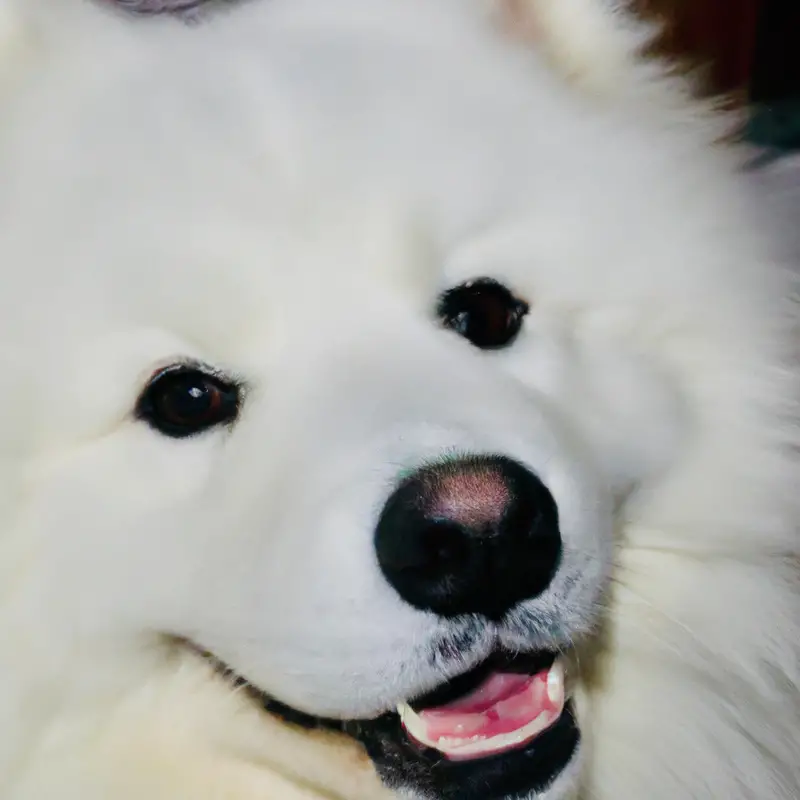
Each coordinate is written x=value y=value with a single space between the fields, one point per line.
x=342 y=341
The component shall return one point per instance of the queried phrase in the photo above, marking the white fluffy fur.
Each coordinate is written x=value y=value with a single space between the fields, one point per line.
x=282 y=192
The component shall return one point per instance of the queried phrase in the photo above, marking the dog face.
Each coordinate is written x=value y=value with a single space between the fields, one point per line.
x=335 y=360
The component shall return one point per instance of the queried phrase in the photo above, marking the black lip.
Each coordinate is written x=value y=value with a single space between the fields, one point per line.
x=405 y=764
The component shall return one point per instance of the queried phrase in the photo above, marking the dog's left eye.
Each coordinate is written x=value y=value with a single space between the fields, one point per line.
x=183 y=401
x=484 y=312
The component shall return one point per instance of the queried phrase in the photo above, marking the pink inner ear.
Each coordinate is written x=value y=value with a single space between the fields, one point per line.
x=517 y=18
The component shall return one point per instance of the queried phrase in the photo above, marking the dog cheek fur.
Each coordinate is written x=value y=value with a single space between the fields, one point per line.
x=181 y=734
x=704 y=613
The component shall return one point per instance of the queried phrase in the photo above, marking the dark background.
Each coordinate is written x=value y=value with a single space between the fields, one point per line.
x=749 y=50
x=776 y=52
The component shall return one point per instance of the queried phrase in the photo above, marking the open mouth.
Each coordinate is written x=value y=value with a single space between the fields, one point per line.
x=505 y=729
x=510 y=705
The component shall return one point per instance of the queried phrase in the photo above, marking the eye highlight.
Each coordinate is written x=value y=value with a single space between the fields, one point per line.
x=182 y=401
x=484 y=312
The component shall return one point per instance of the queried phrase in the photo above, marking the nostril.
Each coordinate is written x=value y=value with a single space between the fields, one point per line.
x=433 y=566
x=442 y=547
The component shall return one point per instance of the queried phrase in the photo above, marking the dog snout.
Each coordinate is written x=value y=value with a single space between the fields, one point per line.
x=470 y=536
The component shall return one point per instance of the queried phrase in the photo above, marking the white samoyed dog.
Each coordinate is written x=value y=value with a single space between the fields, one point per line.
x=398 y=400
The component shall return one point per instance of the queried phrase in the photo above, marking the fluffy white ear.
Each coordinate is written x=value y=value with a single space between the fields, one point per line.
x=596 y=43
x=599 y=45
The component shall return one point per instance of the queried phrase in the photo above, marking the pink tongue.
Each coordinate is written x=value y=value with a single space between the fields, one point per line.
x=504 y=703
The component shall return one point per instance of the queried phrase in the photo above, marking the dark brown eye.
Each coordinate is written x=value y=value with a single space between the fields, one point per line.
x=183 y=401
x=484 y=312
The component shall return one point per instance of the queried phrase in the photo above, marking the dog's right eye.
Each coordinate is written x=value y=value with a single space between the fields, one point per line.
x=484 y=312
x=183 y=401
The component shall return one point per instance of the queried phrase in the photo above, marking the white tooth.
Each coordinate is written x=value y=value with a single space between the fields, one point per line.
x=412 y=722
x=474 y=746
x=482 y=746
x=555 y=683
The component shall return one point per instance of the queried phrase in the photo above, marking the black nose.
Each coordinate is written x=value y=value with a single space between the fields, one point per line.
x=473 y=536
